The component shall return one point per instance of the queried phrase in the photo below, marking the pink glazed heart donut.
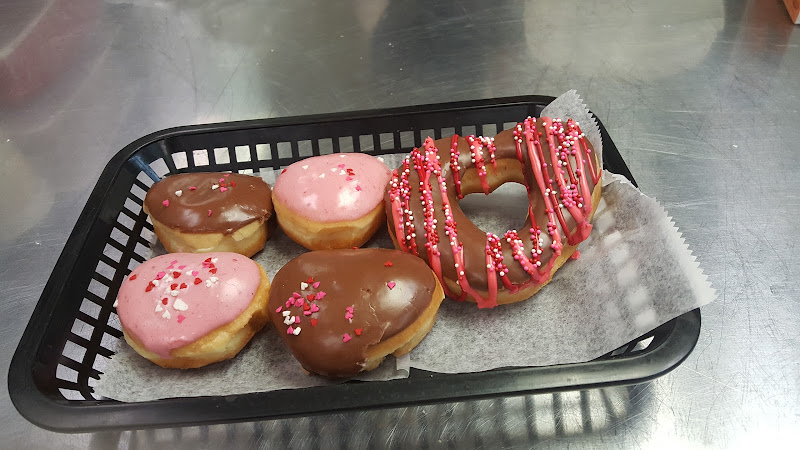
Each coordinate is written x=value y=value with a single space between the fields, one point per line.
x=331 y=201
x=187 y=310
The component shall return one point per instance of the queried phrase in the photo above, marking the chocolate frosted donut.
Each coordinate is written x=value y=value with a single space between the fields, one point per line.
x=561 y=173
x=342 y=311
x=205 y=212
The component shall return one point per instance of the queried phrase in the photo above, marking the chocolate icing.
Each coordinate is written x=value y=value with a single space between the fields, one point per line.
x=474 y=240
x=358 y=278
x=236 y=201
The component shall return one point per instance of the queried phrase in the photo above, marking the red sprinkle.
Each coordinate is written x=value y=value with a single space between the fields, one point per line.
x=233 y=184
x=176 y=274
x=388 y=264
x=314 y=322
x=132 y=277
x=183 y=286
x=192 y=188
x=164 y=301
x=173 y=286
x=358 y=331
x=149 y=287
x=346 y=337
x=208 y=260
x=355 y=248
x=310 y=297
x=310 y=280
x=181 y=318
x=197 y=281
x=306 y=307
x=214 y=270
x=283 y=171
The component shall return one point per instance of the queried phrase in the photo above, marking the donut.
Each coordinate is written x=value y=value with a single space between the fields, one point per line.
x=211 y=212
x=425 y=219
x=331 y=201
x=188 y=310
x=341 y=312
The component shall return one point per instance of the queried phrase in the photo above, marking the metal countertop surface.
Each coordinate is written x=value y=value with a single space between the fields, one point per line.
x=701 y=97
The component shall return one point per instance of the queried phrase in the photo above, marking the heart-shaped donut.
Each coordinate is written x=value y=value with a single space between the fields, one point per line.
x=342 y=311
x=189 y=309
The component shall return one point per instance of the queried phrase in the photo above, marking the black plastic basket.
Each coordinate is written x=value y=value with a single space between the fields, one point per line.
x=74 y=327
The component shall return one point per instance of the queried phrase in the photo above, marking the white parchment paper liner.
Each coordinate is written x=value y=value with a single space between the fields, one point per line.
x=635 y=272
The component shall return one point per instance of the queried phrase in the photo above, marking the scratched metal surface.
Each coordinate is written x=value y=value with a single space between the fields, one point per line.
x=701 y=97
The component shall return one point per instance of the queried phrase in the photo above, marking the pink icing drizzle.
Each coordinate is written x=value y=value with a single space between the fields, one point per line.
x=210 y=304
x=352 y=190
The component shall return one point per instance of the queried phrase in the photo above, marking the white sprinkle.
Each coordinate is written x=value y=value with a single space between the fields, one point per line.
x=166 y=314
x=341 y=156
x=288 y=320
x=178 y=193
x=296 y=331
x=158 y=307
x=381 y=159
x=286 y=313
x=333 y=169
x=215 y=186
x=322 y=175
x=155 y=282
x=180 y=305
x=303 y=285
x=342 y=172
x=213 y=279
x=214 y=260
x=305 y=167
x=174 y=293
x=116 y=302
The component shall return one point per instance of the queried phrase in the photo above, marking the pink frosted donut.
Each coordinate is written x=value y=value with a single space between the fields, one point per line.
x=331 y=201
x=185 y=310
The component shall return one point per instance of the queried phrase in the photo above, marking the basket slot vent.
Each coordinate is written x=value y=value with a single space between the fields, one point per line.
x=448 y=132
x=366 y=143
x=200 y=158
x=325 y=146
x=180 y=161
x=406 y=139
x=263 y=152
x=242 y=153
x=305 y=149
x=222 y=156
x=345 y=144
x=489 y=129
x=159 y=167
x=386 y=141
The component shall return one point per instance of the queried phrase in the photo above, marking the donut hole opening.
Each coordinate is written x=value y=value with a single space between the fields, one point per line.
x=506 y=208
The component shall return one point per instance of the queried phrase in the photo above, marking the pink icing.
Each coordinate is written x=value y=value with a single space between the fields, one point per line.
x=226 y=286
x=333 y=188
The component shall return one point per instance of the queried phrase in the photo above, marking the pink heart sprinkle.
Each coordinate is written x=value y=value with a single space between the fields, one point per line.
x=280 y=308
x=209 y=213
x=165 y=203
x=160 y=275
x=314 y=308
x=192 y=188
x=306 y=313
x=223 y=189
x=296 y=295
x=348 y=179
x=227 y=175
x=296 y=319
x=346 y=337
x=182 y=267
x=221 y=180
x=320 y=295
x=290 y=330
x=181 y=318
x=316 y=285
x=358 y=188
x=341 y=166
x=391 y=285
x=288 y=304
x=194 y=273
x=299 y=302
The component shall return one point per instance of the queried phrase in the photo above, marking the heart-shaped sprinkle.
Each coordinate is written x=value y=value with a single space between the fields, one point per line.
x=280 y=308
x=179 y=193
x=222 y=180
x=346 y=337
x=164 y=301
x=358 y=187
x=214 y=260
x=209 y=213
x=181 y=267
x=159 y=308
x=173 y=286
x=306 y=313
x=160 y=275
x=296 y=319
x=180 y=305
x=296 y=295
x=197 y=281
x=341 y=166
x=290 y=330
x=223 y=189
x=314 y=308
x=166 y=314
x=310 y=297
x=214 y=186
x=181 y=318
x=149 y=287
x=314 y=322
x=305 y=167
x=358 y=331
x=283 y=171
x=176 y=275
x=165 y=203
x=322 y=175
x=296 y=331
x=288 y=320
x=286 y=313
x=183 y=286
x=194 y=273
x=303 y=285
x=214 y=270
x=348 y=179
x=388 y=264
x=132 y=277
x=306 y=307
x=316 y=284
x=192 y=188
x=391 y=285
x=233 y=184
x=320 y=295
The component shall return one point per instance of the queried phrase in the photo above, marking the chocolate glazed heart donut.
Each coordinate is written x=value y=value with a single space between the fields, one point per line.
x=551 y=158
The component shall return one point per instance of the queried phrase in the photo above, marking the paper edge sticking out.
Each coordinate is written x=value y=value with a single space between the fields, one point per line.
x=571 y=105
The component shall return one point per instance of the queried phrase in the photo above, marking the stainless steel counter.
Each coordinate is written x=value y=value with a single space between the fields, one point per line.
x=700 y=96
